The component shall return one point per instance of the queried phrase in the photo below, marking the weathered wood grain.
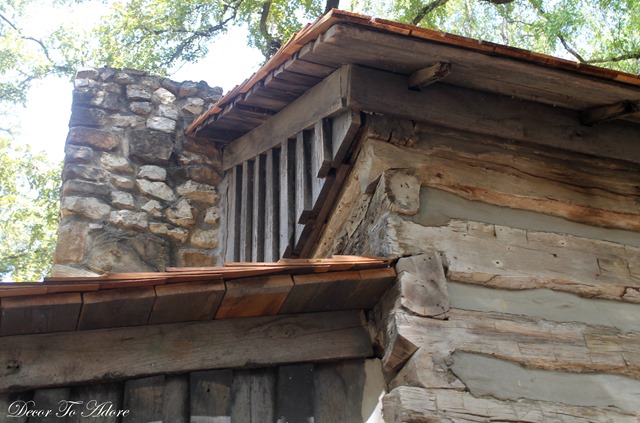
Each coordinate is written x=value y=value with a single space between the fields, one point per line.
x=259 y=208
x=234 y=190
x=323 y=100
x=430 y=75
x=34 y=314
x=210 y=396
x=338 y=391
x=114 y=308
x=183 y=302
x=287 y=196
x=272 y=206
x=175 y=403
x=423 y=286
x=260 y=296
x=253 y=395
x=96 y=398
x=344 y=127
x=144 y=398
x=303 y=199
x=115 y=354
x=417 y=405
x=295 y=389
x=246 y=211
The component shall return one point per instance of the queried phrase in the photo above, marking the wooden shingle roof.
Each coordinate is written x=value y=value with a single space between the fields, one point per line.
x=193 y=294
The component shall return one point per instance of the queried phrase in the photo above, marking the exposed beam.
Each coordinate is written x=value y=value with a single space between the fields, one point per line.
x=599 y=114
x=325 y=99
x=490 y=114
x=57 y=359
x=429 y=75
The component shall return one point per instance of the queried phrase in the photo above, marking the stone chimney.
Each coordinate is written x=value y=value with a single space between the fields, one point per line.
x=137 y=195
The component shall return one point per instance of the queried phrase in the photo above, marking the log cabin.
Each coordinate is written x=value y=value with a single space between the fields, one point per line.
x=415 y=227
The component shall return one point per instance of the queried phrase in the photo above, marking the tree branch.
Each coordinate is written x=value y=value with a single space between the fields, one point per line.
x=428 y=9
x=627 y=56
x=571 y=50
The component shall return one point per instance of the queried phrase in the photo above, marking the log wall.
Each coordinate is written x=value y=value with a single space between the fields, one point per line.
x=518 y=293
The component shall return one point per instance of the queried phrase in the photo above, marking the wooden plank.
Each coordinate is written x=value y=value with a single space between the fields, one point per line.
x=259 y=208
x=320 y=292
x=176 y=399
x=12 y=405
x=42 y=313
x=48 y=401
x=272 y=206
x=295 y=393
x=210 y=396
x=144 y=398
x=95 y=402
x=338 y=391
x=303 y=178
x=233 y=214
x=321 y=149
x=323 y=100
x=140 y=351
x=286 y=86
x=287 y=204
x=183 y=302
x=295 y=64
x=116 y=308
x=246 y=211
x=261 y=296
x=285 y=74
x=343 y=129
x=253 y=395
x=490 y=114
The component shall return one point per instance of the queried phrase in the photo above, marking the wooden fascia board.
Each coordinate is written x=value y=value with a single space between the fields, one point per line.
x=327 y=98
x=490 y=114
x=66 y=358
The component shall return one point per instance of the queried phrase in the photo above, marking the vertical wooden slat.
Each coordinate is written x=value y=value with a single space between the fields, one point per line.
x=343 y=129
x=96 y=398
x=144 y=397
x=258 y=209
x=295 y=393
x=287 y=211
x=338 y=392
x=272 y=206
x=46 y=399
x=303 y=179
x=246 y=211
x=253 y=396
x=233 y=214
x=210 y=396
x=321 y=144
x=176 y=399
x=10 y=404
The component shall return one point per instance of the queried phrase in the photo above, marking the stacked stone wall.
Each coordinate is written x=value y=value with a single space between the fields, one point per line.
x=137 y=195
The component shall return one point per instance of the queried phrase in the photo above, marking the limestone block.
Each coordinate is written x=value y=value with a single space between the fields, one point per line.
x=179 y=234
x=72 y=238
x=198 y=192
x=82 y=96
x=205 y=174
x=107 y=73
x=116 y=252
x=106 y=100
x=171 y=86
x=97 y=138
x=127 y=121
x=64 y=271
x=78 y=171
x=150 y=147
x=85 y=116
x=77 y=154
x=83 y=82
x=212 y=216
x=124 y=79
x=138 y=93
x=193 y=105
x=153 y=207
x=123 y=200
x=211 y=158
x=151 y=82
x=158 y=190
x=168 y=111
x=188 y=88
x=204 y=239
x=181 y=214
x=84 y=206
x=129 y=219
x=114 y=163
x=88 y=73
x=112 y=87
x=140 y=107
x=152 y=173
x=83 y=188
x=162 y=96
x=193 y=257
x=161 y=124
x=122 y=182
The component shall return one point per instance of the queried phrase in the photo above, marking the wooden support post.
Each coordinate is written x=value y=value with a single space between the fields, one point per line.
x=246 y=212
x=272 y=206
x=259 y=182
x=303 y=179
x=233 y=214
x=287 y=209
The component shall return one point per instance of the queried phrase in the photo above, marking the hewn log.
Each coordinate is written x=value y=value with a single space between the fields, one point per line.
x=423 y=287
x=600 y=114
x=430 y=75
x=110 y=354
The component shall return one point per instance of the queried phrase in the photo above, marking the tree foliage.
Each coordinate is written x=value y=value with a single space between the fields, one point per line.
x=29 y=192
